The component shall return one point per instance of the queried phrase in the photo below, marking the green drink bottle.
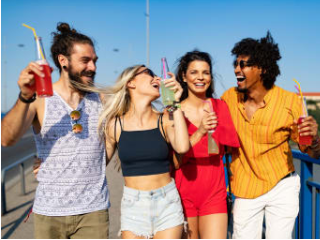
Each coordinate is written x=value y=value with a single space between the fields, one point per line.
x=166 y=93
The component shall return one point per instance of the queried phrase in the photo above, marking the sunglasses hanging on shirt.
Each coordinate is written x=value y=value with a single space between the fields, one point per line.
x=75 y=115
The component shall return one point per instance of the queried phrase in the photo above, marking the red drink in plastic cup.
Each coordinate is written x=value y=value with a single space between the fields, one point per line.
x=44 y=84
x=304 y=140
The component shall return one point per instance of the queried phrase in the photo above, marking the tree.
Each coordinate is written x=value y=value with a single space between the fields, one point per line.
x=315 y=111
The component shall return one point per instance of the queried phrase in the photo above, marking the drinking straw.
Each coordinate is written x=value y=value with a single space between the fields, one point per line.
x=35 y=36
x=209 y=103
x=164 y=69
x=302 y=99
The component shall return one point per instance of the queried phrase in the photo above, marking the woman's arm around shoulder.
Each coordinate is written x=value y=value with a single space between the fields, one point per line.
x=112 y=133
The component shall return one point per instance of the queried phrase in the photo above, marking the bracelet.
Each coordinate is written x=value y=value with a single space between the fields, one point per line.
x=174 y=107
x=30 y=100
x=315 y=143
x=177 y=104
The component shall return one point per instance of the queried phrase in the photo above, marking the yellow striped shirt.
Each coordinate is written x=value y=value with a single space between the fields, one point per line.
x=264 y=156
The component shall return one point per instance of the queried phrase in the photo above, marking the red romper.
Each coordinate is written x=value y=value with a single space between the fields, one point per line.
x=201 y=179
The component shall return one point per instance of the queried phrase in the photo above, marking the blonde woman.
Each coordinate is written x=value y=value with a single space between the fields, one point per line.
x=150 y=204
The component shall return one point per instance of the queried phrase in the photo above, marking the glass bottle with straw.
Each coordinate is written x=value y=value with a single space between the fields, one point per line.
x=303 y=140
x=43 y=84
x=166 y=93
x=213 y=147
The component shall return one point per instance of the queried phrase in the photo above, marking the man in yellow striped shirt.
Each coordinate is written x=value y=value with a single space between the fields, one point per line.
x=265 y=116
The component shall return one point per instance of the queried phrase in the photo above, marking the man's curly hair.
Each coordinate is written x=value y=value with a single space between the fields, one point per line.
x=263 y=53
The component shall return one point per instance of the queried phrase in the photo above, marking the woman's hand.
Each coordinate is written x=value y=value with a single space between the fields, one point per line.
x=36 y=166
x=173 y=84
x=208 y=122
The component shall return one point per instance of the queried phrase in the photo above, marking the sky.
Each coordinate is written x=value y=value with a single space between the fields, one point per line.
x=176 y=27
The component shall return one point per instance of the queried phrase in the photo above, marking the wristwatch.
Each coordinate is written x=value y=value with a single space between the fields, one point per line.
x=30 y=100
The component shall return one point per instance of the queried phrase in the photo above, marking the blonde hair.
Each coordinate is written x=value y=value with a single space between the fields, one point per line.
x=117 y=101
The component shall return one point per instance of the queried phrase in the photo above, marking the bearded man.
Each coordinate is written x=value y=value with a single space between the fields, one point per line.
x=72 y=197
x=265 y=116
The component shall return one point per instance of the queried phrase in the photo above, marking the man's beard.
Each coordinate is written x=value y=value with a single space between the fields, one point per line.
x=76 y=81
x=242 y=90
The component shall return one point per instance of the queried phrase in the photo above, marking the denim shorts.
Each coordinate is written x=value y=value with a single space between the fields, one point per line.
x=144 y=213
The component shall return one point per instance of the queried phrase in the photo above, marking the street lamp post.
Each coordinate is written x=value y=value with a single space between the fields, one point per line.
x=4 y=77
x=147 y=29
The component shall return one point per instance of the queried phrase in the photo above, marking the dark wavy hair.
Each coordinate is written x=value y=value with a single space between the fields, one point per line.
x=63 y=41
x=263 y=53
x=183 y=64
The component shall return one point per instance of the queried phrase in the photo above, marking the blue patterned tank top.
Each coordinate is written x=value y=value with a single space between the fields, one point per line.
x=72 y=175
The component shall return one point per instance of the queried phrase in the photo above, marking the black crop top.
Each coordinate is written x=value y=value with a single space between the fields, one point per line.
x=143 y=152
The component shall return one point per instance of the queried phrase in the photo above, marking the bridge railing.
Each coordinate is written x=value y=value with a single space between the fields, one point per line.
x=19 y=163
x=308 y=222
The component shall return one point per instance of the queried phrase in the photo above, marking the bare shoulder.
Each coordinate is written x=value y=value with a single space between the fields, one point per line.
x=39 y=103
x=38 y=108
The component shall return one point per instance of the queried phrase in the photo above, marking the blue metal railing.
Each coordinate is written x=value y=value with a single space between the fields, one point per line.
x=19 y=163
x=304 y=223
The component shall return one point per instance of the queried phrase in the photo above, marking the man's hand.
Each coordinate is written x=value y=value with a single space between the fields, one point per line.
x=36 y=166
x=26 y=80
x=308 y=127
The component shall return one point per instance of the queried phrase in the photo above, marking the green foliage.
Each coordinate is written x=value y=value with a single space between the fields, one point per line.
x=315 y=113
x=311 y=102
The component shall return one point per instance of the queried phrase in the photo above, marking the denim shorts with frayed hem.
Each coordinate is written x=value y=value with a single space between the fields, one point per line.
x=144 y=213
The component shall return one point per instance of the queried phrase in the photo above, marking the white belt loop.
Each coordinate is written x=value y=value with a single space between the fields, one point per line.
x=138 y=195
x=163 y=192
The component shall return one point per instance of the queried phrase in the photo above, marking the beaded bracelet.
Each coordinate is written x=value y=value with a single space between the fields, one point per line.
x=173 y=107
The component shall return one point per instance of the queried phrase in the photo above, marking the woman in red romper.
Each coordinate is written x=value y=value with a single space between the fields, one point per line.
x=200 y=176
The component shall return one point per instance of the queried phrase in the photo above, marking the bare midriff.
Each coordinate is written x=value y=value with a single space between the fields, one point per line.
x=149 y=182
